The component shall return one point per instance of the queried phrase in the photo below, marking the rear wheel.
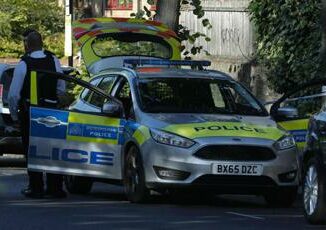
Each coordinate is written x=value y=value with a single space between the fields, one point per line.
x=78 y=184
x=134 y=177
x=281 y=197
x=314 y=193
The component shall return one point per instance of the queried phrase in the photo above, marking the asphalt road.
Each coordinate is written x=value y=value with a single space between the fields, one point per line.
x=107 y=208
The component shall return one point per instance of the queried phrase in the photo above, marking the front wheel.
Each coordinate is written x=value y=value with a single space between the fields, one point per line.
x=281 y=197
x=78 y=184
x=134 y=177
x=314 y=193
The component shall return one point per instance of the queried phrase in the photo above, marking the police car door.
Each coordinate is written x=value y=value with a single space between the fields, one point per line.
x=293 y=110
x=72 y=142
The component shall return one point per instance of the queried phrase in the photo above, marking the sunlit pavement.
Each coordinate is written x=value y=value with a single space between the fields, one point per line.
x=107 y=208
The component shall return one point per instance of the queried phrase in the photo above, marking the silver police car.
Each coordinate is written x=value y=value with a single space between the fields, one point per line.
x=163 y=128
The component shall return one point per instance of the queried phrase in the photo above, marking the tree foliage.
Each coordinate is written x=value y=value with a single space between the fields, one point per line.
x=182 y=31
x=18 y=15
x=288 y=34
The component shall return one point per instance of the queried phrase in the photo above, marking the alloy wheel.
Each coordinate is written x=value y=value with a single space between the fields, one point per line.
x=310 y=194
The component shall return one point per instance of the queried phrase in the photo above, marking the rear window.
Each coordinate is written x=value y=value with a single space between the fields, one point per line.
x=131 y=44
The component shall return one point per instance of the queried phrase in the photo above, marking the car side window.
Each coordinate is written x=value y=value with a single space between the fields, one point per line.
x=106 y=85
x=124 y=92
x=65 y=101
x=306 y=102
x=124 y=95
x=86 y=93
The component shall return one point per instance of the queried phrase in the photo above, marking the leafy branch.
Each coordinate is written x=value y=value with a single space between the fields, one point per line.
x=182 y=31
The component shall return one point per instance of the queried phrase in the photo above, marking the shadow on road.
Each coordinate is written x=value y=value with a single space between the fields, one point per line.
x=112 y=193
x=116 y=193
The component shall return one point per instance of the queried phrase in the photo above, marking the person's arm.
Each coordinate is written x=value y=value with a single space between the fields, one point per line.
x=61 y=85
x=15 y=89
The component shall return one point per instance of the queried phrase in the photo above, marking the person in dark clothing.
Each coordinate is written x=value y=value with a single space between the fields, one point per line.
x=19 y=98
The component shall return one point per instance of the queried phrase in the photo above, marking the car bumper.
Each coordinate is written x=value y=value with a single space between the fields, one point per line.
x=191 y=171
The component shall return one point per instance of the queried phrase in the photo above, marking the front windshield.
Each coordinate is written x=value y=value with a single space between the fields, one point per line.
x=131 y=44
x=193 y=95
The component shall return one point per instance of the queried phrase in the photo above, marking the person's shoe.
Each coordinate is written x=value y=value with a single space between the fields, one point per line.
x=56 y=194
x=29 y=193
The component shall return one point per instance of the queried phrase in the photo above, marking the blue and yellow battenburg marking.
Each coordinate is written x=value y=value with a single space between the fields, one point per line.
x=138 y=132
x=81 y=127
x=298 y=128
x=74 y=126
x=93 y=128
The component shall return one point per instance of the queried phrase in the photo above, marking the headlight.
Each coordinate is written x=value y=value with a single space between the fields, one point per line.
x=171 y=139
x=285 y=142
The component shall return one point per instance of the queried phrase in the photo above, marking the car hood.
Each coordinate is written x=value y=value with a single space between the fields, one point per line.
x=195 y=126
x=86 y=31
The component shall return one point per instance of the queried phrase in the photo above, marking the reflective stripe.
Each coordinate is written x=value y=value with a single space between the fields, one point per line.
x=93 y=119
x=33 y=89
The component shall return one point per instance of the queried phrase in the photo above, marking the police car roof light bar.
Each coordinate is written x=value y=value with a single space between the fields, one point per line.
x=143 y=62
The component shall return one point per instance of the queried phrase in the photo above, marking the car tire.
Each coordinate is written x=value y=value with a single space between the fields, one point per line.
x=314 y=193
x=134 y=177
x=78 y=184
x=281 y=197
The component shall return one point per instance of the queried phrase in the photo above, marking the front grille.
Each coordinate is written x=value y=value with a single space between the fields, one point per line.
x=235 y=153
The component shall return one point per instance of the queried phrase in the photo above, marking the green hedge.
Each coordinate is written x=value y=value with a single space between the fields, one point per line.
x=288 y=34
x=18 y=15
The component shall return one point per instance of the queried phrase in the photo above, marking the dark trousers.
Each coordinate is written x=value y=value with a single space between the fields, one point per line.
x=53 y=181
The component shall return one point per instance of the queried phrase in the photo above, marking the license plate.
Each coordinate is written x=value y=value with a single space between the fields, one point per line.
x=237 y=169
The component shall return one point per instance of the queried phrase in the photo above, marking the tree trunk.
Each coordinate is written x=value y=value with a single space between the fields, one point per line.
x=168 y=12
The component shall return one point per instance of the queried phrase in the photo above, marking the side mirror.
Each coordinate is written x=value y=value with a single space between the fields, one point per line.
x=112 y=109
x=287 y=113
